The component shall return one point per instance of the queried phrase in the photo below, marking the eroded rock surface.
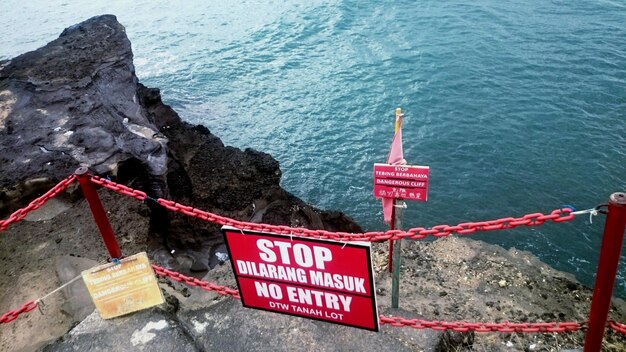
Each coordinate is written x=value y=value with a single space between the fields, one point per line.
x=73 y=102
x=154 y=330
x=227 y=326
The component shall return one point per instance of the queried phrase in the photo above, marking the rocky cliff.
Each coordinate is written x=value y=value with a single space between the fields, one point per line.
x=77 y=102
x=73 y=102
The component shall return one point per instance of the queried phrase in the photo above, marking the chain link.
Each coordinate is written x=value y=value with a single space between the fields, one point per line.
x=557 y=215
x=119 y=188
x=418 y=233
x=13 y=314
x=460 y=326
x=20 y=214
x=192 y=281
x=619 y=327
x=505 y=327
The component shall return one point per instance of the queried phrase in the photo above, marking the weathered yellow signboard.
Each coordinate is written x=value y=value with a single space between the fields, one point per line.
x=124 y=287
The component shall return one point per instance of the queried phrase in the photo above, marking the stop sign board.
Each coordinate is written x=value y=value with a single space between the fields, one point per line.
x=401 y=182
x=311 y=278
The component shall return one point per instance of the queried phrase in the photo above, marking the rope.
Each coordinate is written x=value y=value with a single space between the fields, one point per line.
x=58 y=289
x=592 y=212
x=31 y=305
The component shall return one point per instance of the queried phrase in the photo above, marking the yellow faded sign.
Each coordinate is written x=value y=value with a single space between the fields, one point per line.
x=123 y=287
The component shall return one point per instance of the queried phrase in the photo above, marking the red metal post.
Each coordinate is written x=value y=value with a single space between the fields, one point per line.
x=97 y=210
x=607 y=269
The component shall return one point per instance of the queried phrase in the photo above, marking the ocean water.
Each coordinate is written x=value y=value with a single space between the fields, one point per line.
x=517 y=107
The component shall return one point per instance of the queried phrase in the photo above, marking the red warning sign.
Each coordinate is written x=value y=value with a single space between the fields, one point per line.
x=401 y=182
x=317 y=279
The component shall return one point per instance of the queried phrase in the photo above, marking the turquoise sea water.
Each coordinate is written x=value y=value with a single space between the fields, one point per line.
x=517 y=107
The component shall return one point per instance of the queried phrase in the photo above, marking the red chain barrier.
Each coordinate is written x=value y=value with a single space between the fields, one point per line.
x=418 y=233
x=192 y=281
x=619 y=327
x=534 y=219
x=461 y=326
x=13 y=314
x=119 y=188
x=506 y=327
x=20 y=214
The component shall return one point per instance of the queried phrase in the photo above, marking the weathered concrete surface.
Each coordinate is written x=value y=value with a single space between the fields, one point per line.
x=28 y=257
x=153 y=330
x=423 y=340
x=228 y=326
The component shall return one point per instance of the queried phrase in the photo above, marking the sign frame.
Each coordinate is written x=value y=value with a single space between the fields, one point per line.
x=369 y=281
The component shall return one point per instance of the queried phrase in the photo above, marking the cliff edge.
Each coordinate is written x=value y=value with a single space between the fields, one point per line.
x=77 y=102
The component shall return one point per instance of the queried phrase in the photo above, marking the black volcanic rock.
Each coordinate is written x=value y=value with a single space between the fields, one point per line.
x=205 y=173
x=73 y=103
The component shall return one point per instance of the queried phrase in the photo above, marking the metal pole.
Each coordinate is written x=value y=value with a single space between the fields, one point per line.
x=607 y=268
x=397 y=256
x=397 y=125
x=391 y=227
x=395 y=247
x=97 y=210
